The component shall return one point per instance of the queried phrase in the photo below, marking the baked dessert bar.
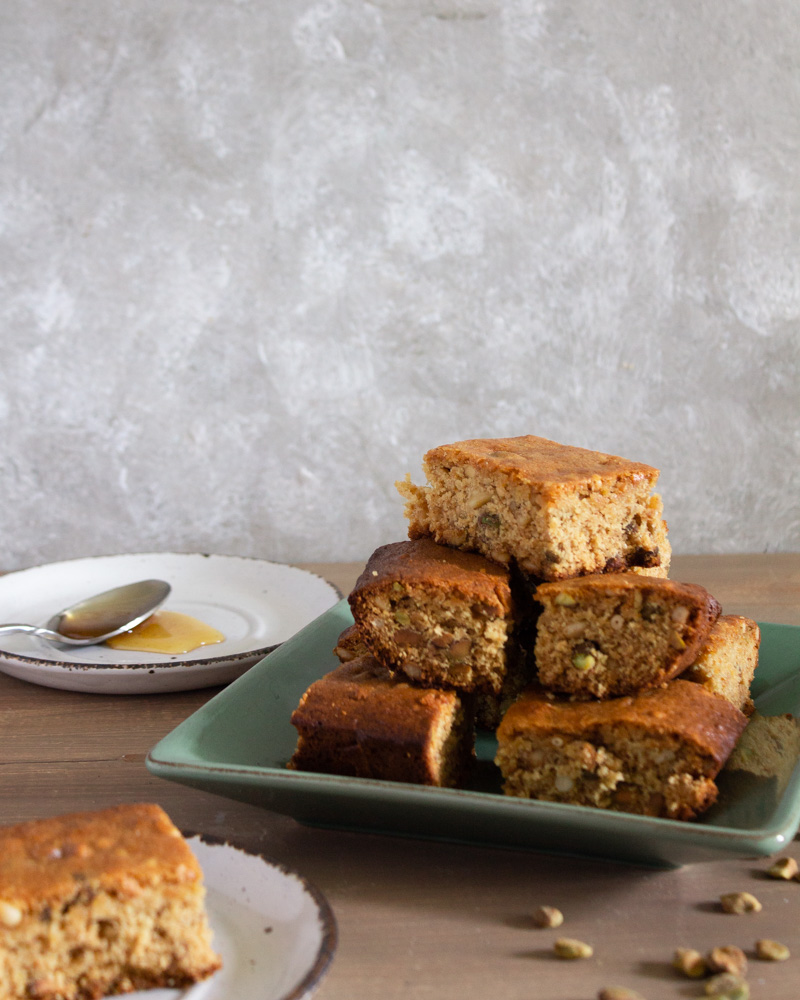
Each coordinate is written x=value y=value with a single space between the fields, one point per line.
x=612 y=634
x=557 y=510
x=99 y=903
x=728 y=660
x=441 y=616
x=360 y=720
x=656 y=753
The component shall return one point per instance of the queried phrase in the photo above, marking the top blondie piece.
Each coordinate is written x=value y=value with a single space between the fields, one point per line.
x=558 y=511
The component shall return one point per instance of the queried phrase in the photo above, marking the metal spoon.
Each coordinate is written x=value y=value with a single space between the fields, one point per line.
x=100 y=617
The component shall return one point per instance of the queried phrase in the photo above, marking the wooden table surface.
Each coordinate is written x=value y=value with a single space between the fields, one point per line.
x=421 y=919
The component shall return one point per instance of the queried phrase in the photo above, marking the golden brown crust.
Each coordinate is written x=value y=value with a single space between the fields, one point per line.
x=679 y=709
x=426 y=564
x=364 y=696
x=608 y=582
x=43 y=860
x=729 y=626
x=550 y=467
x=361 y=720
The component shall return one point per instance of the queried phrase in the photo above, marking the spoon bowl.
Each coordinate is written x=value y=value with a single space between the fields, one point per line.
x=101 y=617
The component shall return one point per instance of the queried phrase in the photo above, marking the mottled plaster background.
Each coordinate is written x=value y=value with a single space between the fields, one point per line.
x=256 y=257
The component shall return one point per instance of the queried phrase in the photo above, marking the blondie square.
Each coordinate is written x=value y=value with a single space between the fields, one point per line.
x=656 y=753
x=362 y=721
x=441 y=616
x=559 y=511
x=728 y=660
x=99 y=903
x=616 y=633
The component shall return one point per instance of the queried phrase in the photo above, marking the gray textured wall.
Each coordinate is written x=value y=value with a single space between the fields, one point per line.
x=257 y=257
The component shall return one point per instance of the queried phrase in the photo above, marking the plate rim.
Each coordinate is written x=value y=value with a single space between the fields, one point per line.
x=171 y=759
x=329 y=938
x=56 y=667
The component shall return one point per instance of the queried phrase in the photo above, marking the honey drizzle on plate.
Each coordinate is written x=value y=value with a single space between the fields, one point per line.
x=167 y=632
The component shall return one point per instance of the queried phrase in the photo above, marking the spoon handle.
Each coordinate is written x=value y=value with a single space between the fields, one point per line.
x=44 y=633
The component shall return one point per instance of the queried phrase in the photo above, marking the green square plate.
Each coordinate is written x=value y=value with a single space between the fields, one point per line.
x=238 y=744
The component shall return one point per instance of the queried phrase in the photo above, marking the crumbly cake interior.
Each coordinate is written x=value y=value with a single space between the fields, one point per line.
x=613 y=526
x=102 y=941
x=436 y=637
x=350 y=645
x=620 y=769
x=612 y=643
x=728 y=660
x=445 y=750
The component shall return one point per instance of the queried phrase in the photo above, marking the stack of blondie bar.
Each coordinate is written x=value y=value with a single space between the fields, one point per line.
x=532 y=598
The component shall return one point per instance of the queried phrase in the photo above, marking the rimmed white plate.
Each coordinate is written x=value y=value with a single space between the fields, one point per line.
x=255 y=604
x=275 y=931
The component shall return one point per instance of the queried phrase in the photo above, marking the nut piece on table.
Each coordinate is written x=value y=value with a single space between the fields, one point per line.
x=690 y=962
x=786 y=868
x=727 y=958
x=572 y=948
x=618 y=993
x=548 y=916
x=739 y=902
x=727 y=986
x=771 y=951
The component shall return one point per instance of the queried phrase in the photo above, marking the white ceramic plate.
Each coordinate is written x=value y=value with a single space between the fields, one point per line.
x=257 y=605
x=275 y=932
